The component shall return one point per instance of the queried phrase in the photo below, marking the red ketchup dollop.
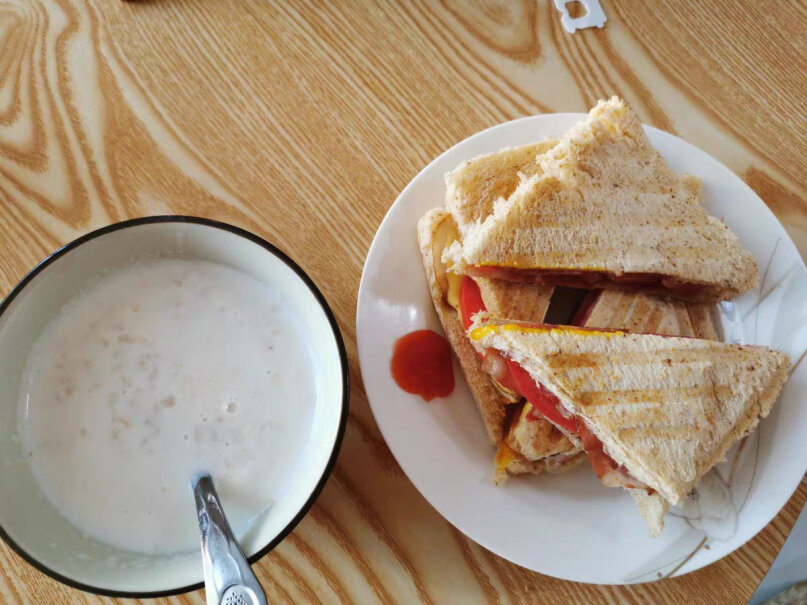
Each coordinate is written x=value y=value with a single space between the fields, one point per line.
x=422 y=364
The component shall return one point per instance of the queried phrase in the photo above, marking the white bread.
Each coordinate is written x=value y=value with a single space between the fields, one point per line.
x=666 y=408
x=473 y=187
x=648 y=314
x=491 y=405
x=604 y=201
x=652 y=507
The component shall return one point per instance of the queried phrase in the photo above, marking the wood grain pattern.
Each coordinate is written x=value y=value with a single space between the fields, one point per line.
x=302 y=122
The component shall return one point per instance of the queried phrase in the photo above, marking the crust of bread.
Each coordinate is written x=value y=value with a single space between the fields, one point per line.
x=693 y=184
x=491 y=405
x=652 y=507
x=604 y=200
x=473 y=187
x=666 y=408
x=525 y=302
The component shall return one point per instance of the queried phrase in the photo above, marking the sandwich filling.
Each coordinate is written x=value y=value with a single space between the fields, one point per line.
x=656 y=283
x=547 y=405
x=509 y=377
x=527 y=446
x=527 y=443
x=465 y=297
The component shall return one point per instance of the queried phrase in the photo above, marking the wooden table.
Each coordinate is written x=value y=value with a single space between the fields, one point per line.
x=302 y=123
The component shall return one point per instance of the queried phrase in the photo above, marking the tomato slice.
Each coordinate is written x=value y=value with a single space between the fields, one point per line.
x=545 y=404
x=605 y=467
x=471 y=301
x=540 y=398
x=601 y=462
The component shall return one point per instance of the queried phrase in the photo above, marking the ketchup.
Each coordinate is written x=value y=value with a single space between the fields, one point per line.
x=421 y=364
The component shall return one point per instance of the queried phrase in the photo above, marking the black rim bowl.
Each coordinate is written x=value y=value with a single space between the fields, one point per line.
x=342 y=362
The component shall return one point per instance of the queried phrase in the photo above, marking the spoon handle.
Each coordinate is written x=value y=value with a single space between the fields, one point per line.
x=228 y=577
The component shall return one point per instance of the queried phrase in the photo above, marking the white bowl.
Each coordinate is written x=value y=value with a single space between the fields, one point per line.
x=28 y=522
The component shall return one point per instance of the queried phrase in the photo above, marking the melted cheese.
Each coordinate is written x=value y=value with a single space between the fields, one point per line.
x=504 y=456
x=482 y=331
x=453 y=294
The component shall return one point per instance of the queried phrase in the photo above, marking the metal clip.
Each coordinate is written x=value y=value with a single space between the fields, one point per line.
x=594 y=17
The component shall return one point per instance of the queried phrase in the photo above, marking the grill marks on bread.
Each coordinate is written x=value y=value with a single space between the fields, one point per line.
x=667 y=408
x=602 y=199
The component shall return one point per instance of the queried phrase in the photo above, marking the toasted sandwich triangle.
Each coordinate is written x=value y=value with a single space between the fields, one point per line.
x=666 y=408
x=604 y=202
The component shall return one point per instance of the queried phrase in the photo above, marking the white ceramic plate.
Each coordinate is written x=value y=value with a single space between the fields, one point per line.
x=570 y=526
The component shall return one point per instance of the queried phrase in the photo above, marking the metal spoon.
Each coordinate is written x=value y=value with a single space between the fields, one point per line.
x=228 y=577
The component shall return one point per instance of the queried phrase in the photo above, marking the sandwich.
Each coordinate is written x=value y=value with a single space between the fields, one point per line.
x=616 y=309
x=647 y=314
x=456 y=299
x=653 y=413
x=639 y=384
x=525 y=443
x=601 y=209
